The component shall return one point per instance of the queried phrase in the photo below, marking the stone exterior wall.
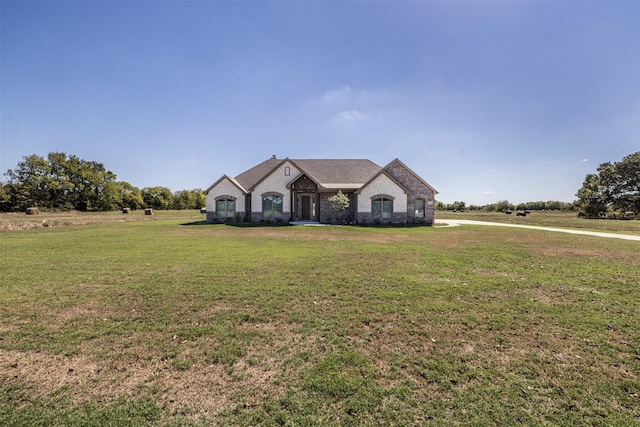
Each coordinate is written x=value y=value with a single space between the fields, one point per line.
x=416 y=190
x=224 y=188
x=328 y=215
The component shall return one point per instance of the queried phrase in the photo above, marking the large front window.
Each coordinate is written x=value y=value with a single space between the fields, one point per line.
x=419 y=208
x=272 y=207
x=382 y=208
x=226 y=208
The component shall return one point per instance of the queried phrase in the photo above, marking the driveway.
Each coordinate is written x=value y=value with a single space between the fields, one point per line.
x=458 y=222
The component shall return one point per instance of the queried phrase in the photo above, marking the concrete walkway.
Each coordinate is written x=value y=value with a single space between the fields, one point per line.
x=458 y=222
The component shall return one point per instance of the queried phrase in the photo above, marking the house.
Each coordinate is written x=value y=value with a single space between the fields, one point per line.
x=283 y=190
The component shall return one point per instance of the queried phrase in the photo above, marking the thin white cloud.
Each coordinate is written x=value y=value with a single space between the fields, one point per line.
x=348 y=117
x=583 y=160
x=489 y=192
x=337 y=94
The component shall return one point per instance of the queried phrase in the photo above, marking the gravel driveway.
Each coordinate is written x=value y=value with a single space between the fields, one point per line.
x=458 y=222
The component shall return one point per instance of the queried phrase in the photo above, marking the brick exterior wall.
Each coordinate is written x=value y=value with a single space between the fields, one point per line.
x=416 y=190
x=328 y=215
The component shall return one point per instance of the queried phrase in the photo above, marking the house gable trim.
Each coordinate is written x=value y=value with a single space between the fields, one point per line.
x=300 y=175
x=382 y=172
x=222 y=178
x=398 y=161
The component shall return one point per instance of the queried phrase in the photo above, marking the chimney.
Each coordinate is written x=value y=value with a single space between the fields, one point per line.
x=273 y=157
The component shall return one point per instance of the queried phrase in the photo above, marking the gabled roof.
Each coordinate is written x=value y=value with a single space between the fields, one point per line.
x=326 y=173
x=257 y=173
x=338 y=173
x=300 y=175
x=382 y=172
x=396 y=160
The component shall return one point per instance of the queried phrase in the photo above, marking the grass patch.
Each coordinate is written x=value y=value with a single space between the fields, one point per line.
x=154 y=323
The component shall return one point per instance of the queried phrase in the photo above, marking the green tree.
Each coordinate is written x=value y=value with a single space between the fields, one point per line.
x=189 y=199
x=5 y=197
x=92 y=189
x=504 y=205
x=626 y=195
x=61 y=187
x=339 y=203
x=61 y=182
x=130 y=196
x=591 y=198
x=184 y=199
x=159 y=198
x=107 y=197
x=614 y=189
x=201 y=198
x=28 y=182
x=457 y=206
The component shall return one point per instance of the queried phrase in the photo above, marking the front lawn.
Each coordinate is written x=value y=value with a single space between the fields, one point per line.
x=160 y=323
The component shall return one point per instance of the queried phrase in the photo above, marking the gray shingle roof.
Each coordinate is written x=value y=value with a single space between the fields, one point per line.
x=338 y=171
x=250 y=177
x=326 y=172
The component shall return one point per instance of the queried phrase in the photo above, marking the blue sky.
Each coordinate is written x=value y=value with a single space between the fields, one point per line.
x=486 y=100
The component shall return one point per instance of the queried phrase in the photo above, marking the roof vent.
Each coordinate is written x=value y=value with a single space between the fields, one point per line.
x=273 y=156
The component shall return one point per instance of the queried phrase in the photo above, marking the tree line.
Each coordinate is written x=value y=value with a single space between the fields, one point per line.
x=71 y=183
x=505 y=205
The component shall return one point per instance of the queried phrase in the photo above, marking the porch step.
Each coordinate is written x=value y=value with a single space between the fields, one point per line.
x=310 y=223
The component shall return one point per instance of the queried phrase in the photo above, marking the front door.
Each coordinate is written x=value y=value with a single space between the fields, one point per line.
x=305 y=208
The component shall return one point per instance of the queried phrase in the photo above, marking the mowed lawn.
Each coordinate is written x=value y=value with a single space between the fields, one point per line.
x=173 y=322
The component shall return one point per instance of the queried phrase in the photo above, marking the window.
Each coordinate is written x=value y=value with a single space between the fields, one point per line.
x=226 y=208
x=287 y=170
x=382 y=208
x=272 y=207
x=419 y=208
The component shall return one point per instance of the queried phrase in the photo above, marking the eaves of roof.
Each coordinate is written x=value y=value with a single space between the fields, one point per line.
x=382 y=172
x=341 y=186
x=334 y=172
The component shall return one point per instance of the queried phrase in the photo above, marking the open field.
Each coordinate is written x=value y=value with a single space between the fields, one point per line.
x=20 y=221
x=106 y=320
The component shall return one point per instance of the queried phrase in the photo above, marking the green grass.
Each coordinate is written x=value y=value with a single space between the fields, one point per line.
x=153 y=322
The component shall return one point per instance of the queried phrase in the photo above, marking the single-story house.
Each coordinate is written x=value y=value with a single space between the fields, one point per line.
x=283 y=190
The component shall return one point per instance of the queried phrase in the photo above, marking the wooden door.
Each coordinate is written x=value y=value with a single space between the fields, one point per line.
x=305 y=208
